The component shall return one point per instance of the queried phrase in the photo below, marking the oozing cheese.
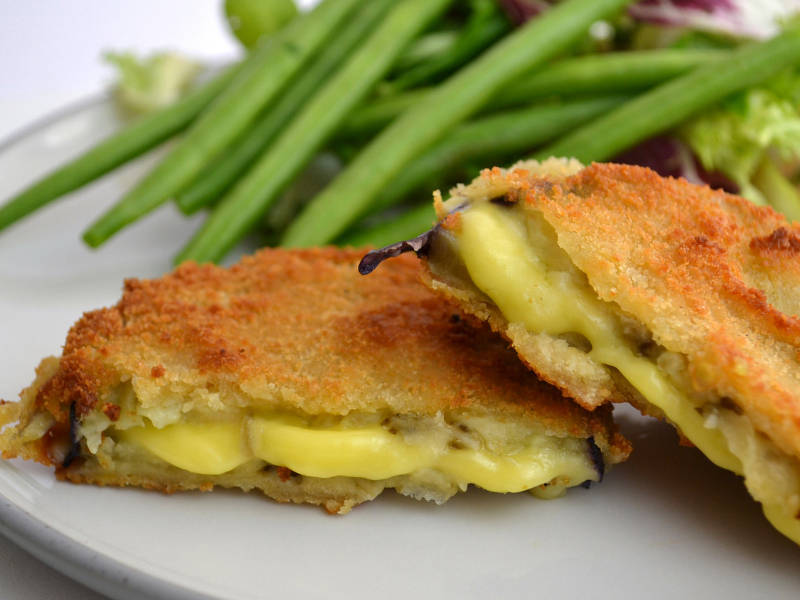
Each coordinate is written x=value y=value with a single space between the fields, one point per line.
x=374 y=452
x=511 y=268
x=208 y=449
x=371 y=452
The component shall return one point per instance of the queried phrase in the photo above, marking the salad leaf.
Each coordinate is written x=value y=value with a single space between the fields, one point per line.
x=521 y=11
x=735 y=138
x=148 y=85
x=782 y=194
x=758 y=19
x=670 y=157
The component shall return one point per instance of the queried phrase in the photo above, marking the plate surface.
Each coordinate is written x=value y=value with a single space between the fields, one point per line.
x=666 y=523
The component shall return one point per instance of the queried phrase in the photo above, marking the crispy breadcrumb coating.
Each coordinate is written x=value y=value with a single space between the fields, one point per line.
x=298 y=331
x=711 y=275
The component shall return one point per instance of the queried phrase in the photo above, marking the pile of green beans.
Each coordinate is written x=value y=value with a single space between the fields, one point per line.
x=592 y=74
x=261 y=80
x=240 y=210
x=453 y=101
x=342 y=78
x=141 y=136
x=675 y=101
x=210 y=184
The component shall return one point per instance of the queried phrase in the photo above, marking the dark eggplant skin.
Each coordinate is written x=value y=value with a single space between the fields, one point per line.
x=419 y=244
x=74 y=442
x=597 y=458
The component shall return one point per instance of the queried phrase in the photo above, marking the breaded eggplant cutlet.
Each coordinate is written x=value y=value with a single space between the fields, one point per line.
x=292 y=374
x=618 y=285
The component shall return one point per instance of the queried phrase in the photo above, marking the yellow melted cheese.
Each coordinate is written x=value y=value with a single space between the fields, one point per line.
x=505 y=263
x=208 y=449
x=370 y=452
x=375 y=453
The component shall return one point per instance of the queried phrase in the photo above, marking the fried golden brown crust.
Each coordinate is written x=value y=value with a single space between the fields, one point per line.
x=299 y=331
x=711 y=275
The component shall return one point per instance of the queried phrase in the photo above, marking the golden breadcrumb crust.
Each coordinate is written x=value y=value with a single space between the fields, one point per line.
x=711 y=275
x=299 y=331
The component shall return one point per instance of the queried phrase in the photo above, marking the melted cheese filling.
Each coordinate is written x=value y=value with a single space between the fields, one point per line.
x=511 y=267
x=367 y=451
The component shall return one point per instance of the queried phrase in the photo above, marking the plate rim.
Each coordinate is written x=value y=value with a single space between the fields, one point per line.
x=55 y=544
x=58 y=544
x=51 y=118
x=99 y=571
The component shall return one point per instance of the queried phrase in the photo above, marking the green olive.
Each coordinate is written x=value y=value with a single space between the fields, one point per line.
x=250 y=20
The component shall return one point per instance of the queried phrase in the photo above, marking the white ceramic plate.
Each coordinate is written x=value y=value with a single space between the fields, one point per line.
x=666 y=524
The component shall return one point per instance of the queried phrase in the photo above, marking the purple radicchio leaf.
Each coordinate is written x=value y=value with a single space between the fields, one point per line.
x=669 y=157
x=740 y=18
x=522 y=11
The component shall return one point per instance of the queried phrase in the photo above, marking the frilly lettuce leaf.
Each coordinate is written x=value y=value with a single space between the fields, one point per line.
x=151 y=84
x=735 y=138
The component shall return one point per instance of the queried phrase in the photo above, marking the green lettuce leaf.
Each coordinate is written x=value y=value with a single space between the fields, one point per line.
x=151 y=84
x=749 y=128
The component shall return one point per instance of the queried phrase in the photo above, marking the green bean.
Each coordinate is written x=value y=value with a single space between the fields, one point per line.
x=461 y=95
x=611 y=73
x=675 y=101
x=262 y=78
x=213 y=182
x=593 y=74
x=426 y=47
x=404 y=226
x=503 y=134
x=376 y=113
x=318 y=173
x=142 y=135
x=486 y=25
x=779 y=192
x=240 y=210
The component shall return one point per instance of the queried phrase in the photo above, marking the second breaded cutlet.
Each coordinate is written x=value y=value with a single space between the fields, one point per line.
x=292 y=374
x=616 y=284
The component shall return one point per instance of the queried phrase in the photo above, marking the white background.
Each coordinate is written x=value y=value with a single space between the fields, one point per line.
x=50 y=57
x=50 y=51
